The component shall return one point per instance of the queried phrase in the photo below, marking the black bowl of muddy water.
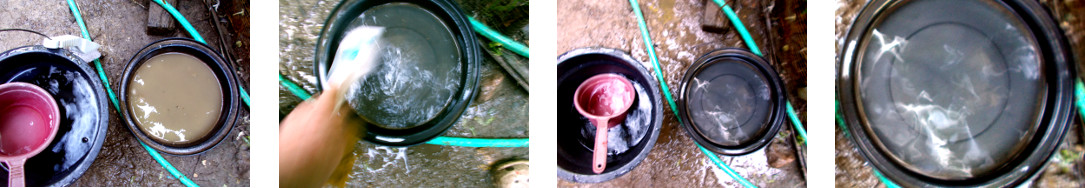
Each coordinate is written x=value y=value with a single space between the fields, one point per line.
x=426 y=73
x=179 y=96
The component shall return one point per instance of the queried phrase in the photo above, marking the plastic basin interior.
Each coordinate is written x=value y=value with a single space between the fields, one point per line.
x=84 y=115
x=956 y=93
x=629 y=142
x=731 y=102
x=424 y=86
x=223 y=71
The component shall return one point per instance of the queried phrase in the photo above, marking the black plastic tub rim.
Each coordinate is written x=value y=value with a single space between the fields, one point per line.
x=77 y=170
x=222 y=70
x=471 y=58
x=623 y=163
x=776 y=116
x=1055 y=111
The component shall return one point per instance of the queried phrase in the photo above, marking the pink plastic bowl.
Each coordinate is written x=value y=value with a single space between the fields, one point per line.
x=604 y=99
x=29 y=118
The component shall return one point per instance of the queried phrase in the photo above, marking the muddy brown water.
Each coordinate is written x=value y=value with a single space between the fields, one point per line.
x=175 y=98
x=777 y=26
x=499 y=110
x=1066 y=168
x=118 y=25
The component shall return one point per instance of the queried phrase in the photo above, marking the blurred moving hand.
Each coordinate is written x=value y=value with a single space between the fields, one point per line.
x=314 y=139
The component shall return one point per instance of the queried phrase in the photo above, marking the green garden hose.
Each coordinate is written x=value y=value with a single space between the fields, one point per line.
x=840 y=122
x=739 y=26
x=719 y=163
x=293 y=88
x=750 y=43
x=888 y=183
x=101 y=74
x=181 y=18
x=795 y=121
x=506 y=42
x=479 y=142
x=670 y=100
x=1079 y=97
x=196 y=36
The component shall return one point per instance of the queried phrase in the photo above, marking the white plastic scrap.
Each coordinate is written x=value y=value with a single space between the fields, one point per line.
x=85 y=49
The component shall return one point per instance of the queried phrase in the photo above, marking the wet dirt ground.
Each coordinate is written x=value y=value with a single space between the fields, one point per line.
x=499 y=111
x=675 y=26
x=118 y=25
x=1066 y=168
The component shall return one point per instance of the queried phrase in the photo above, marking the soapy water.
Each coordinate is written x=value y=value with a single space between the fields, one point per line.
x=417 y=72
x=380 y=158
x=79 y=113
x=727 y=116
x=950 y=99
x=729 y=103
x=78 y=122
x=607 y=98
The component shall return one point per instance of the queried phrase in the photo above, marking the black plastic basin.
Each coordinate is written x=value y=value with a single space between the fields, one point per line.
x=731 y=102
x=956 y=93
x=629 y=142
x=223 y=71
x=84 y=111
x=346 y=17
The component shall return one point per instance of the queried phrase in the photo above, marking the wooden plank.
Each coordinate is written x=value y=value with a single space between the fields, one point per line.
x=160 y=22
x=712 y=18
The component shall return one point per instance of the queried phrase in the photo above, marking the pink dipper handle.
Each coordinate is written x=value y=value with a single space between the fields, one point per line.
x=604 y=99
x=599 y=158
x=15 y=176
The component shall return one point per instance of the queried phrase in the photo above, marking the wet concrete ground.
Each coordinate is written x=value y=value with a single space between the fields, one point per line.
x=1066 y=168
x=675 y=26
x=118 y=25
x=499 y=110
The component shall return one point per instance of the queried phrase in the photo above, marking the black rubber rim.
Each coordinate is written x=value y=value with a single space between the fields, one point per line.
x=102 y=124
x=227 y=80
x=450 y=13
x=776 y=115
x=575 y=59
x=1054 y=120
